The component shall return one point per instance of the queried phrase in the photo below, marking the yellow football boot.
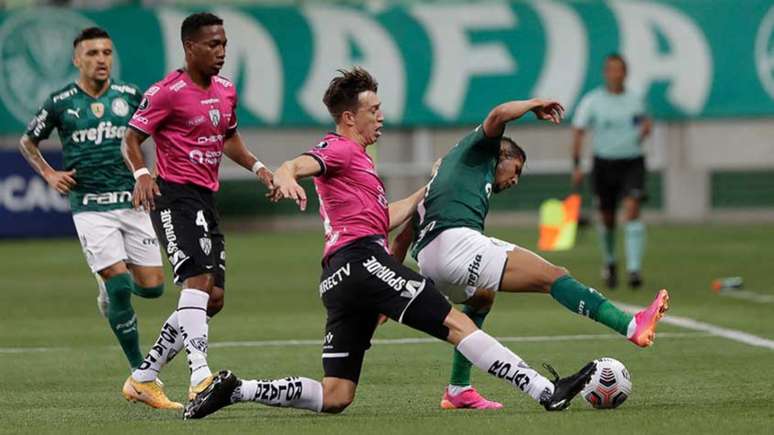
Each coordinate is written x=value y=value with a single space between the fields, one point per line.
x=150 y=393
x=201 y=386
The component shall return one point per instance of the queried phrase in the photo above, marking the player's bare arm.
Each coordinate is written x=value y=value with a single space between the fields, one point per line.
x=546 y=110
x=402 y=210
x=286 y=179
x=402 y=242
x=62 y=181
x=645 y=129
x=145 y=188
x=235 y=149
x=577 y=146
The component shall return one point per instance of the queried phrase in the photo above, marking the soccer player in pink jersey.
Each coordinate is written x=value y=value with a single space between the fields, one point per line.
x=361 y=280
x=191 y=114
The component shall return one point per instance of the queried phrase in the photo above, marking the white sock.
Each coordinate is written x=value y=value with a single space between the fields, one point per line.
x=192 y=317
x=457 y=389
x=489 y=355
x=300 y=393
x=169 y=343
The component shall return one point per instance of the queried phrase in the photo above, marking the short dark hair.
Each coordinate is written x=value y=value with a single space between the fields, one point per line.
x=343 y=91
x=194 y=22
x=513 y=150
x=618 y=57
x=90 y=33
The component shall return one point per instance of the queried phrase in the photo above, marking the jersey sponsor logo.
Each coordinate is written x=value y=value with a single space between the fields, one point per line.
x=222 y=81
x=104 y=130
x=206 y=157
x=119 y=107
x=408 y=288
x=195 y=121
x=322 y=144
x=488 y=190
x=175 y=255
x=209 y=101
x=124 y=89
x=98 y=109
x=334 y=279
x=144 y=103
x=214 y=117
x=141 y=119
x=107 y=198
x=34 y=57
x=19 y=194
x=474 y=269
x=74 y=112
x=427 y=228
x=64 y=95
x=180 y=84
x=151 y=241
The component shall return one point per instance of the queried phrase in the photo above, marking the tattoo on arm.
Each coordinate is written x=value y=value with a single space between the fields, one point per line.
x=32 y=154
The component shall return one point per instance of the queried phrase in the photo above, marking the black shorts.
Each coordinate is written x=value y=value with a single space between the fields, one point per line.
x=614 y=179
x=186 y=224
x=361 y=281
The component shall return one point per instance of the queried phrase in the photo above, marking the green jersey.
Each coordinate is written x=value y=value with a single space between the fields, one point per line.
x=615 y=121
x=458 y=194
x=90 y=130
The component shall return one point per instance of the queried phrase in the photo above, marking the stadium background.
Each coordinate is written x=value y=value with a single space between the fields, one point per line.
x=707 y=68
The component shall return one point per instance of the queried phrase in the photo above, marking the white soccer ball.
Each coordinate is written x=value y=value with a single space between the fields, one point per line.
x=610 y=385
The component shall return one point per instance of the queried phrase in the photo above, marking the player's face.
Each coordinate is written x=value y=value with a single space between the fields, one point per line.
x=94 y=59
x=208 y=49
x=369 y=117
x=507 y=174
x=615 y=73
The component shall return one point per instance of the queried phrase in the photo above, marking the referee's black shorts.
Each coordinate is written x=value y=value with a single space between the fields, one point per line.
x=361 y=281
x=613 y=179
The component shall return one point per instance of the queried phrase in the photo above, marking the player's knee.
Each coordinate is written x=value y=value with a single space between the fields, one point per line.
x=216 y=301
x=336 y=400
x=552 y=274
x=150 y=292
x=482 y=300
x=460 y=326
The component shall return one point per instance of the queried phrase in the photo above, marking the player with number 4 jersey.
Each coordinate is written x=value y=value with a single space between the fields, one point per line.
x=449 y=243
x=191 y=114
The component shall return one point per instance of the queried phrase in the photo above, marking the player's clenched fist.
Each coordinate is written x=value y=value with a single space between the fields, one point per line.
x=145 y=191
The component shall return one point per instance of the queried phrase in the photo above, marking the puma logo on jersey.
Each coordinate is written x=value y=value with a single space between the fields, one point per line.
x=75 y=112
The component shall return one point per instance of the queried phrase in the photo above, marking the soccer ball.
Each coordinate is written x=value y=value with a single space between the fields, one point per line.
x=610 y=385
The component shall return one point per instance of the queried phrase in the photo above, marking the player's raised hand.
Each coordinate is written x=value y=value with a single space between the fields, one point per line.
x=266 y=177
x=62 y=181
x=549 y=110
x=145 y=192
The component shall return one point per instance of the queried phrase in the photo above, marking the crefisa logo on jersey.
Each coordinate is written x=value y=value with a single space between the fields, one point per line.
x=36 y=56
x=215 y=117
x=119 y=107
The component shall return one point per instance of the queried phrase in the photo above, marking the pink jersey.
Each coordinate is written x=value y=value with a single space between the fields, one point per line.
x=189 y=125
x=352 y=200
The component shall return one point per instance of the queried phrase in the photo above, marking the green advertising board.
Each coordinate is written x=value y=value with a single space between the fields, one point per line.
x=439 y=63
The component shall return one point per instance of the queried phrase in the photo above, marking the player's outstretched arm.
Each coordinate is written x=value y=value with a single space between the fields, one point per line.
x=546 y=110
x=402 y=242
x=286 y=179
x=402 y=210
x=235 y=149
x=145 y=188
x=62 y=181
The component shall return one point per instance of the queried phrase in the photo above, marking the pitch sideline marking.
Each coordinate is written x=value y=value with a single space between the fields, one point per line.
x=688 y=323
x=749 y=296
x=384 y=341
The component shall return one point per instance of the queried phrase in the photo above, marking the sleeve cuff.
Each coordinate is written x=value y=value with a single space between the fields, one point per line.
x=323 y=168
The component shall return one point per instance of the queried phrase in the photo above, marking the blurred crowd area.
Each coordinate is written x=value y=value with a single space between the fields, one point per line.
x=100 y=4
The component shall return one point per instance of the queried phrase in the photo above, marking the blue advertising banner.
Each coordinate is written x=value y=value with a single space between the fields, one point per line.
x=28 y=206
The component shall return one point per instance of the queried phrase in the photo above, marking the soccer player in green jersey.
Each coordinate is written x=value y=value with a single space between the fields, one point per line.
x=616 y=117
x=469 y=267
x=119 y=243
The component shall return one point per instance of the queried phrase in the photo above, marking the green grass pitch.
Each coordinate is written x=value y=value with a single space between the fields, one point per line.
x=61 y=371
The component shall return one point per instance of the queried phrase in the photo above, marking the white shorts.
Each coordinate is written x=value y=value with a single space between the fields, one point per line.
x=461 y=260
x=108 y=237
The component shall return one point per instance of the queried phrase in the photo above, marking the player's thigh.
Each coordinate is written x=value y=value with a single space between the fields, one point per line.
x=101 y=239
x=404 y=295
x=526 y=271
x=606 y=185
x=182 y=226
x=347 y=337
x=142 y=248
x=634 y=188
x=462 y=259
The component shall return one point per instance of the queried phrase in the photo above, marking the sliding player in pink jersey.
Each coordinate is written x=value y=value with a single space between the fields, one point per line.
x=191 y=114
x=361 y=280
